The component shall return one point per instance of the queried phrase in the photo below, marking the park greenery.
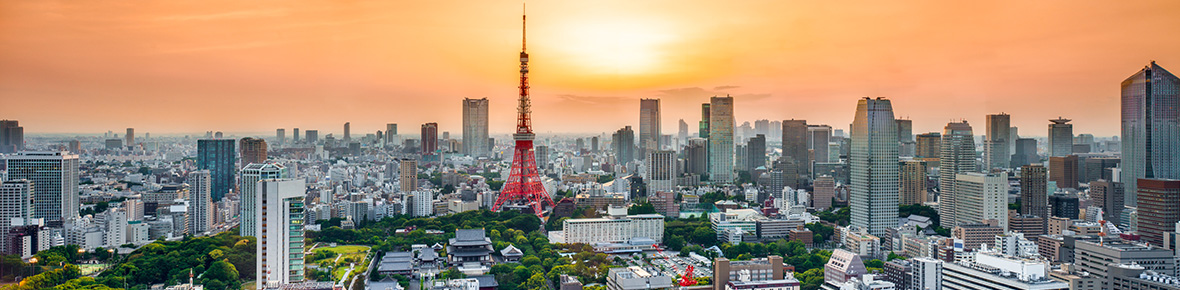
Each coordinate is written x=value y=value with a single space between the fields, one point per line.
x=220 y=261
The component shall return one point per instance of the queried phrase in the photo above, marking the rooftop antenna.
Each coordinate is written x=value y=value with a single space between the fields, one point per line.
x=523 y=26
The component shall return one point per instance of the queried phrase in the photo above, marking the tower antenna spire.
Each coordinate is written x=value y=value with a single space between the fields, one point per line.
x=523 y=26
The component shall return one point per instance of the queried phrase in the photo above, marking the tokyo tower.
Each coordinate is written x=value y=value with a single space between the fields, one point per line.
x=523 y=190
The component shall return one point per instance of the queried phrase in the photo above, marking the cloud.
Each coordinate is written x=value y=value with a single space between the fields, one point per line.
x=722 y=88
x=701 y=93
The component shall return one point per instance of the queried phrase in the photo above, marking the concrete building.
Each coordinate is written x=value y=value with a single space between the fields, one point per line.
x=252 y=150
x=623 y=144
x=1034 y=195
x=927 y=274
x=1060 y=137
x=843 y=266
x=408 y=175
x=635 y=278
x=994 y=271
x=252 y=174
x=1109 y=196
x=1159 y=208
x=982 y=197
x=874 y=193
x=957 y=156
x=54 y=176
x=794 y=145
x=1099 y=257
x=218 y=156
x=1025 y=152
x=649 y=126
x=661 y=171
x=16 y=203
x=1149 y=120
x=824 y=191
x=12 y=136
x=279 y=205
x=761 y=269
x=1064 y=171
x=976 y=234
x=429 y=140
x=912 y=186
x=618 y=227
x=929 y=145
x=200 y=202
x=475 y=127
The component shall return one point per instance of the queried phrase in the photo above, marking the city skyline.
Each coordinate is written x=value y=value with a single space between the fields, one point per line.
x=350 y=63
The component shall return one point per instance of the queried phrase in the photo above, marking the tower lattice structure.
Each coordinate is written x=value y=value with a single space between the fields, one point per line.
x=523 y=186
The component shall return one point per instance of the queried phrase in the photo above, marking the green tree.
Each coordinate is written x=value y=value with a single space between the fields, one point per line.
x=641 y=208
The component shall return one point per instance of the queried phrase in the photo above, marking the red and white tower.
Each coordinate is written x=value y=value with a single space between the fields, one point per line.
x=523 y=188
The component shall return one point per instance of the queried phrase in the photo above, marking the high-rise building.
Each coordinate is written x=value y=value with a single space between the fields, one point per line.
x=55 y=183
x=996 y=142
x=279 y=205
x=980 y=198
x=912 y=188
x=873 y=195
x=818 y=137
x=623 y=143
x=311 y=136
x=957 y=156
x=1109 y=196
x=824 y=192
x=281 y=136
x=704 y=125
x=251 y=175
x=295 y=135
x=347 y=132
x=594 y=144
x=795 y=147
x=1064 y=171
x=1025 y=153
x=1060 y=137
x=755 y=152
x=429 y=138
x=253 y=150
x=661 y=171
x=408 y=176
x=649 y=126
x=130 y=136
x=905 y=130
x=682 y=134
x=1034 y=187
x=1158 y=208
x=12 y=136
x=16 y=202
x=390 y=133
x=695 y=157
x=217 y=156
x=1100 y=258
x=475 y=127
x=1150 y=119
x=200 y=211
x=1063 y=205
x=928 y=145
x=721 y=144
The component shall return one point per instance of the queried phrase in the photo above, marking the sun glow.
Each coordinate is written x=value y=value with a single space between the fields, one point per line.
x=616 y=47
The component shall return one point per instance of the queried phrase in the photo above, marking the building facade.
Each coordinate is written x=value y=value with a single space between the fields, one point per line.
x=1150 y=120
x=721 y=143
x=874 y=192
x=475 y=128
x=54 y=176
x=218 y=156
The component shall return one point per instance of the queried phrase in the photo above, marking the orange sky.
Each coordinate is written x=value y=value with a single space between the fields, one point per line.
x=252 y=66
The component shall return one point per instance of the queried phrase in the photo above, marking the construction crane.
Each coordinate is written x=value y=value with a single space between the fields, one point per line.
x=687 y=279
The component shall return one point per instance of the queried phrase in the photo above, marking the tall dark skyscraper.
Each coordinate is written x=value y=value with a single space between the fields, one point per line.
x=756 y=152
x=1151 y=126
x=704 y=125
x=347 y=132
x=649 y=126
x=312 y=136
x=795 y=146
x=295 y=135
x=1064 y=171
x=1025 y=153
x=429 y=138
x=219 y=157
x=1034 y=195
x=1109 y=196
x=130 y=136
x=929 y=145
x=623 y=143
x=996 y=142
x=252 y=150
x=12 y=136
x=818 y=137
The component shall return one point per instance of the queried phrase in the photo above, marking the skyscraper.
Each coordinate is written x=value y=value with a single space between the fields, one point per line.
x=475 y=127
x=682 y=134
x=251 y=174
x=695 y=157
x=661 y=171
x=1025 y=153
x=905 y=130
x=130 y=136
x=795 y=147
x=929 y=145
x=981 y=197
x=311 y=136
x=1060 y=137
x=1158 y=210
x=996 y=142
x=12 y=136
x=408 y=175
x=1064 y=171
x=390 y=133
x=200 y=211
x=253 y=150
x=704 y=125
x=281 y=136
x=279 y=250
x=818 y=137
x=1034 y=187
x=1109 y=196
x=755 y=152
x=55 y=183
x=16 y=201
x=347 y=132
x=1151 y=122
x=623 y=143
x=295 y=135
x=217 y=156
x=874 y=168
x=721 y=146
x=958 y=156
x=429 y=138
x=912 y=189
x=649 y=126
